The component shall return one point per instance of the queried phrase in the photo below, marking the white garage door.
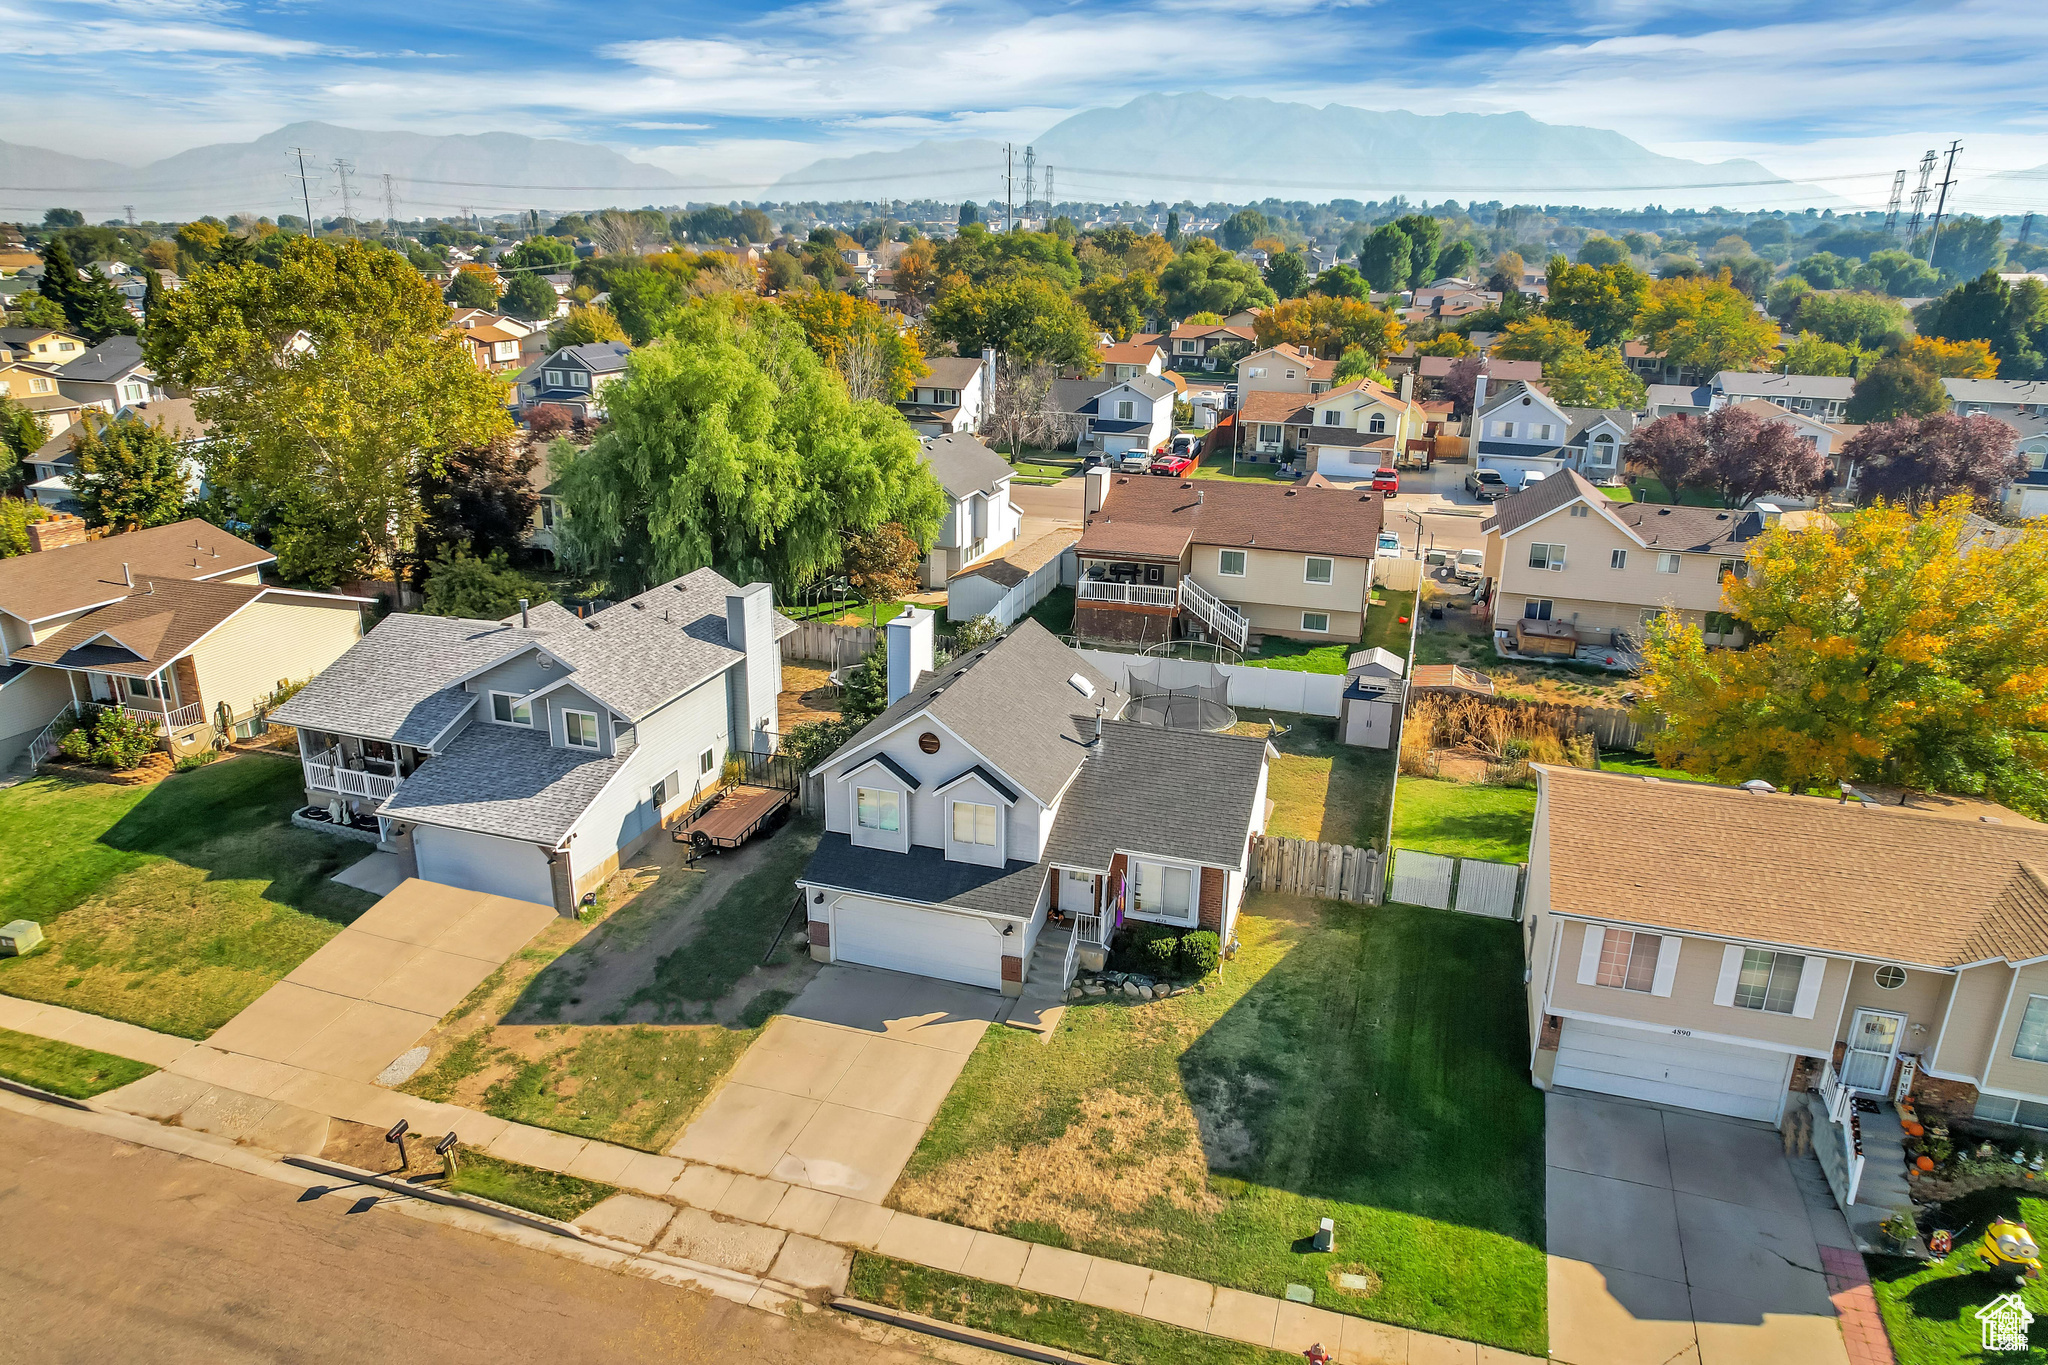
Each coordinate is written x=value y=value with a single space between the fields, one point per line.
x=478 y=862
x=963 y=948
x=1743 y=1082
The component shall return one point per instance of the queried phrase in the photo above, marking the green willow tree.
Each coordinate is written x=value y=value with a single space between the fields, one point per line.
x=730 y=444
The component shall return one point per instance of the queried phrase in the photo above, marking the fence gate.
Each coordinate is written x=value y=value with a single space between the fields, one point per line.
x=1486 y=888
x=1422 y=878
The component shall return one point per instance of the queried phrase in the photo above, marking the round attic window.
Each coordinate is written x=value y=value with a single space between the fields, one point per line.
x=928 y=742
x=1890 y=978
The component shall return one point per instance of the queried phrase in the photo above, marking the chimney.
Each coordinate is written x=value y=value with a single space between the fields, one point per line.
x=1408 y=386
x=54 y=532
x=524 y=620
x=910 y=651
x=750 y=628
x=1095 y=490
x=1478 y=398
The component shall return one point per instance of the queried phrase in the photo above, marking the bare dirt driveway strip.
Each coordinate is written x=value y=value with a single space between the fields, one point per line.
x=837 y=1092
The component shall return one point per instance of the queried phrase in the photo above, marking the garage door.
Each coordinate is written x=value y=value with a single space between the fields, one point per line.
x=1719 y=1078
x=963 y=948
x=478 y=862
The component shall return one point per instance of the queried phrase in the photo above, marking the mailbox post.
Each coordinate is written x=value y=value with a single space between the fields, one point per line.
x=397 y=1137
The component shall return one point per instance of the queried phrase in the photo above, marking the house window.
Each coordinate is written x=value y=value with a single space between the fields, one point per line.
x=1543 y=434
x=1506 y=429
x=1537 y=608
x=877 y=808
x=1318 y=569
x=553 y=378
x=2032 y=1043
x=37 y=385
x=580 y=729
x=1617 y=559
x=507 y=709
x=1165 y=893
x=2006 y=1109
x=1628 y=961
x=974 y=823
x=1603 y=453
x=1377 y=424
x=1316 y=622
x=578 y=379
x=1187 y=348
x=1579 y=509
x=1719 y=623
x=1269 y=434
x=1889 y=977
x=1332 y=418
x=1770 y=981
x=141 y=687
x=1739 y=568
x=1124 y=410
x=1543 y=556
x=1230 y=563
x=706 y=761
x=1668 y=563
x=67 y=345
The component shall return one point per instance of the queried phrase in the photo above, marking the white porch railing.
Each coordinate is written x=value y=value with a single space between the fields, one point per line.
x=1088 y=931
x=1843 y=1164
x=327 y=773
x=154 y=717
x=1227 y=621
x=1838 y=1098
x=43 y=745
x=1130 y=594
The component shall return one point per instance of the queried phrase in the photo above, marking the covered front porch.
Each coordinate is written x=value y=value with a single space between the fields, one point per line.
x=350 y=777
x=165 y=702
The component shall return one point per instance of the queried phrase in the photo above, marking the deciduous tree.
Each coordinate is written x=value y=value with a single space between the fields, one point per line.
x=1600 y=378
x=1240 y=228
x=1894 y=387
x=1915 y=461
x=1024 y=409
x=1670 y=450
x=1748 y=456
x=730 y=444
x=529 y=296
x=537 y=254
x=1119 y=304
x=1851 y=318
x=1342 y=282
x=582 y=326
x=481 y=499
x=479 y=587
x=1206 y=279
x=474 y=286
x=1881 y=652
x=1025 y=317
x=864 y=344
x=881 y=564
x=1706 y=325
x=1541 y=339
x=1287 y=275
x=127 y=474
x=1603 y=301
x=1952 y=359
x=1811 y=354
x=1327 y=325
x=1386 y=258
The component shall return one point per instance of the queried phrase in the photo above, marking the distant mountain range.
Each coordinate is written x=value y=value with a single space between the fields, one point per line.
x=1170 y=147
x=1208 y=148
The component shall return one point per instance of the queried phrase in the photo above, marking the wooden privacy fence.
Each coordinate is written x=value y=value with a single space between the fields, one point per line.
x=1473 y=886
x=1304 y=867
x=823 y=642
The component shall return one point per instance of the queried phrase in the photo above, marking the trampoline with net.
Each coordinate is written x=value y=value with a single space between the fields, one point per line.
x=1197 y=699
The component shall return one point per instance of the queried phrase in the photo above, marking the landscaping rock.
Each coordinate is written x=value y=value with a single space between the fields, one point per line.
x=1095 y=988
x=1136 y=992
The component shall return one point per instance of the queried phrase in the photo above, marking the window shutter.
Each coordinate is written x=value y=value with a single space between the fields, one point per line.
x=1667 y=965
x=1811 y=973
x=1731 y=970
x=1589 y=955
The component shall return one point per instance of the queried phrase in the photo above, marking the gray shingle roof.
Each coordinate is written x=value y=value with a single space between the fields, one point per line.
x=639 y=654
x=1741 y=384
x=963 y=465
x=1678 y=396
x=394 y=684
x=1145 y=789
x=1996 y=390
x=498 y=779
x=1012 y=702
x=105 y=362
x=925 y=876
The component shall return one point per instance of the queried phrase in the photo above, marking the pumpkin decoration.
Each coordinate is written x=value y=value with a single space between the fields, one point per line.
x=1914 y=1129
x=1925 y=1163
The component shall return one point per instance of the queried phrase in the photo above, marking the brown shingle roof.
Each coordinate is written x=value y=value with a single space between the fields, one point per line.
x=158 y=621
x=1874 y=881
x=71 y=578
x=1148 y=515
x=1273 y=405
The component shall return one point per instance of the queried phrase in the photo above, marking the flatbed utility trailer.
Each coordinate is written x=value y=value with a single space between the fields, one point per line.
x=733 y=817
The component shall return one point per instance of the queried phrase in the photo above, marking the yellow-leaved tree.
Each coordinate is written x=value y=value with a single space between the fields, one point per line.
x=1896 y=649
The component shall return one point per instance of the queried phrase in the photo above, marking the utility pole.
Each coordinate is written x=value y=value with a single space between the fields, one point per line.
x=1009 y=185
x=390 y=209
x=1030 y=180
x=1920 y=197
x=2026 y=228
x=131 y=214
x=305 y=189
x=1891 y=210
x=1050 y=199
x=1948 y=178
x=343 y=170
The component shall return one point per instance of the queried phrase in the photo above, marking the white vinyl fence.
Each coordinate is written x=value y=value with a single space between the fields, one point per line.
x=1422 y=878
x=1487 y=888
x=973 y=594
x=1251 y=689
x=1473 y=886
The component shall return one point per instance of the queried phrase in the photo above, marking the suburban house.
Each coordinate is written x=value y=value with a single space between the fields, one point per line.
x=1569 y=564
x=43 y=345
x=1009 y=788
x=1131 y=417
x=1814 y=395
x=2027 y=495
x=2004 y=399
x=1188 y=347
x=573 y=377
x=1522 y=430
x=495 y=341
x=1650 y=366
x=173 y=624
x=980 y=518
x=110 y=376
x=1164 y=559
x=1751 y=944
x=1121 y=360
x=953 y=397
x=1285 y=368
x=50 y=464
x=32 y=386
x=525 y=757
x=1337 y=431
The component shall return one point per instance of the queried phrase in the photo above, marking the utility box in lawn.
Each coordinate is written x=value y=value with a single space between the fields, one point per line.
x=20 y=937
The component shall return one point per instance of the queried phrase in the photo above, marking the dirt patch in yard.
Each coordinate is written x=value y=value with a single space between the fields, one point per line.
x=807 y=694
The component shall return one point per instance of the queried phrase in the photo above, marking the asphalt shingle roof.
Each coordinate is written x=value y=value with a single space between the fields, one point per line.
x=70 y=578
x=1146 y=514
x=105 y=362
x=963 y=464
x=925 y=876
x=1145 y=789
x=396 y=683
x=502 y=780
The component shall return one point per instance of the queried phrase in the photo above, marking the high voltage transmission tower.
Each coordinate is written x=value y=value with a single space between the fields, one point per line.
x=1891 y=210
x=1948 y=178
x=390 y=209
x=1030 y=180
x=1920 y=196
x=343 y=169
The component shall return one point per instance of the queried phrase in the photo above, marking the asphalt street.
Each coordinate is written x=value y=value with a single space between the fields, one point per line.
x=116 y=1252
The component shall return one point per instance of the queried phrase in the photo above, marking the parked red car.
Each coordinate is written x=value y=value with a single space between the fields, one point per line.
x=1173 y=466
x=1386 y=481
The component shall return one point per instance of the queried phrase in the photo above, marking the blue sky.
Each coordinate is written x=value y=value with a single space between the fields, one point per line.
x=751 y=88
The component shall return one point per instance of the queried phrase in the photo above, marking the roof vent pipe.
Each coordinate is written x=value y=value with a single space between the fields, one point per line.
x=524 y=622
x=127 y=577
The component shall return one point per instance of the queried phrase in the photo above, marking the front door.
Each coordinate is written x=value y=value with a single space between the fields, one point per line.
x=1873 y=1041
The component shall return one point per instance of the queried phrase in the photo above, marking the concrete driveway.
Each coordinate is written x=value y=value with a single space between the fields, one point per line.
x=836 y=1093
x=1685 y=1239
x=374 y=988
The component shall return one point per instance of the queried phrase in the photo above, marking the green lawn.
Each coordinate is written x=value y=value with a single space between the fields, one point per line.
x=170 y=906
x=1464 y=819
x=734 y=934
x=1218 y=466
x=1320 y=789
x=547 y=1193
x=1929 y=1309
x=1100 y=1333
x=1383 y=630
x=1646 y=489
x=1620 y=492
x=1366 y=1064
x=1056 y=611
x=64 y=1069
x=1629 y=763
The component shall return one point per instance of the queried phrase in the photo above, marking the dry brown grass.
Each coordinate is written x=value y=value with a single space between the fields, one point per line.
x=807 y=695
x=1505 y=736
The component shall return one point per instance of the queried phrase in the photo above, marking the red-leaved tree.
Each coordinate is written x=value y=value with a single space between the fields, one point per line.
x=1669 y=450
x=1749 y=455
x=1921 y=460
